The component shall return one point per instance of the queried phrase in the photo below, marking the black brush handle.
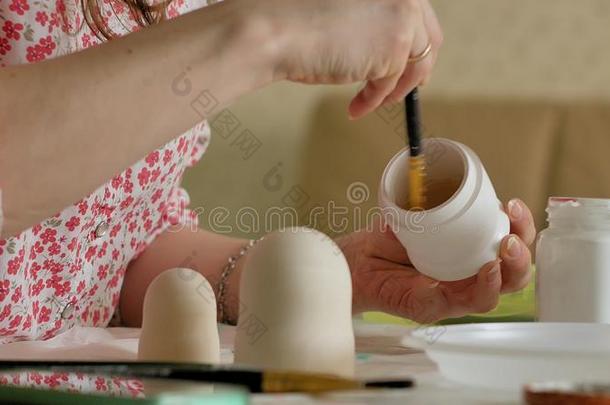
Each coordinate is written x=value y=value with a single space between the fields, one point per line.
x=413 y=119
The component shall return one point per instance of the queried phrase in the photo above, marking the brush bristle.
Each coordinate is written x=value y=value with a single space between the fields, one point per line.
x=417 y=176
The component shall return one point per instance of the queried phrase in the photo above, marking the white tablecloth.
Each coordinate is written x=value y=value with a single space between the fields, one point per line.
x=381 y=355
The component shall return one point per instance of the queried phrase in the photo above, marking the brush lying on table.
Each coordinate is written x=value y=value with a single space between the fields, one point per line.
x=256 y=381
x=417 y=163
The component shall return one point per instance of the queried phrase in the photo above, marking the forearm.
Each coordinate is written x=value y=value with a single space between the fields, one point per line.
x=203 y=251
x=70 y=124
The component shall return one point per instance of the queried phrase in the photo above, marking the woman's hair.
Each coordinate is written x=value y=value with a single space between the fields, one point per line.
x=143 y=14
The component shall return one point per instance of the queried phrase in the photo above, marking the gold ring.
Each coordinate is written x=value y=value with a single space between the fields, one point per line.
x=422 y=55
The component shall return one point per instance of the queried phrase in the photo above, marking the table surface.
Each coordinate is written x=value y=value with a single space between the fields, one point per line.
x=381 y=355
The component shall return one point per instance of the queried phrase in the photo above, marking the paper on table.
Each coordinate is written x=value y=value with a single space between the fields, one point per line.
x=79 y=343
x=382 y=339
x=88 y=343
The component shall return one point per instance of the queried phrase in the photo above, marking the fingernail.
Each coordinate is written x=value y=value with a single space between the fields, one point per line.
x=513 y=247
x=493 y=273
x=433 y=284
x=514 y=209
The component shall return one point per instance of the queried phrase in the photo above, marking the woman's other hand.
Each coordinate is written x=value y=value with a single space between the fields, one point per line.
x=384 y=279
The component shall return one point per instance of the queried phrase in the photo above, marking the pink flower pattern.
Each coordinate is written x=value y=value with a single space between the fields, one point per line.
x=64 y=271
x=12 y=31
x=75 y=382
x=19 y=6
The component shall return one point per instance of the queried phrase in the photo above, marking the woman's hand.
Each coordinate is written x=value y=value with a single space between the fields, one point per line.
x=339 y=41
x=383 y=278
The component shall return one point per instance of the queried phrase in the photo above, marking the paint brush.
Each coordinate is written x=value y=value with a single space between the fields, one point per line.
x=417 y=163
x=255 y=381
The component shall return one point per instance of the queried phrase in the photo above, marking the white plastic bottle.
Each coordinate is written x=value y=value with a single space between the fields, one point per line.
x=465 y=223
x=573 y=262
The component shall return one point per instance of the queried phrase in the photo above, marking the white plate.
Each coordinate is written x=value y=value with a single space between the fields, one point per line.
x=509 y=355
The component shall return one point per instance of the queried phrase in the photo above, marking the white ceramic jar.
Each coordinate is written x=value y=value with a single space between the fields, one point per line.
x=573 y=262
x=465 y=223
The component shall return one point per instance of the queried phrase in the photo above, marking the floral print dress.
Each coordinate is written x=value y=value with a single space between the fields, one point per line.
x=68 y=269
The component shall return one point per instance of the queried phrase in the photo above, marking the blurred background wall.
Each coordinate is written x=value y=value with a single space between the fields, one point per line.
x=525 y=83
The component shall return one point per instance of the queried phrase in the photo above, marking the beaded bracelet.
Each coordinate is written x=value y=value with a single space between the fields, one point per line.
x=226 y=272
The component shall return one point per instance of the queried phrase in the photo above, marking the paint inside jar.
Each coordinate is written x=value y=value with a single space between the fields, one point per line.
x=443 y=178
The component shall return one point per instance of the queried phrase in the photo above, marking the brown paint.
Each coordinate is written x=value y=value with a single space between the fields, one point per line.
x=437 y=192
